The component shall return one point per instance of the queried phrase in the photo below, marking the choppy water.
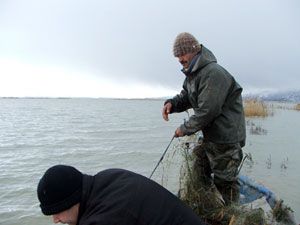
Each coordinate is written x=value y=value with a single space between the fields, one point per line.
x=95 y=134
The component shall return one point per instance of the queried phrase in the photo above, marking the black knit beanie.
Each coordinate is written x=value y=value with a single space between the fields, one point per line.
x=59 y=189
x=185 y=43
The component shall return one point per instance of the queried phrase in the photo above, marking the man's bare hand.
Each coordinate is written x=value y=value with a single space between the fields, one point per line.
x=178 y=133
x=166 y=111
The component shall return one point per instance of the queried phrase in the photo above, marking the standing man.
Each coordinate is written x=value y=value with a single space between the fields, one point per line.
x=216 y=99
x=111 y=197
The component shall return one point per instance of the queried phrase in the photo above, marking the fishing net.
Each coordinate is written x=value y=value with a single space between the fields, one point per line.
x=180 y=175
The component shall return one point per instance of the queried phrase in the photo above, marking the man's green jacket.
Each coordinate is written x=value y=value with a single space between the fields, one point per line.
x=216 y=99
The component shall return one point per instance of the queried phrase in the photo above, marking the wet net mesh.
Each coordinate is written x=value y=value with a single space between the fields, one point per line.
x=178 y=174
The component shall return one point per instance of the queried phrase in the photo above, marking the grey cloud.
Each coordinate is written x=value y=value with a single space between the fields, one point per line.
x=132 y=40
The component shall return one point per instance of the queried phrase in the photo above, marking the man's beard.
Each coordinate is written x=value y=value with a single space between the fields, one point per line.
x=184 y=63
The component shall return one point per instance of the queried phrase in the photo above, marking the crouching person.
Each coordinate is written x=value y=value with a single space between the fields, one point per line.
x=111 y=197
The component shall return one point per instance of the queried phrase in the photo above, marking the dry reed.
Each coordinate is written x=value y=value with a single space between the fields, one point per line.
x=297 y=107
x=255 y=108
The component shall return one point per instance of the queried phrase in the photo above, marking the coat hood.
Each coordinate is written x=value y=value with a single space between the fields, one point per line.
x=206 y=57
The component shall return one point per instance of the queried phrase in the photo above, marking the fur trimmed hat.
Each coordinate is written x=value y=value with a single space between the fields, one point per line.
x=185 y=43
x=59 y=189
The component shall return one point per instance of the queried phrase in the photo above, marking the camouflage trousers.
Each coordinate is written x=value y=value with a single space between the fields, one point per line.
x=216 y=165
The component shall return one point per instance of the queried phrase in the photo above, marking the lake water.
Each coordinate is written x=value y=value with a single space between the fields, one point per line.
x=95 y=134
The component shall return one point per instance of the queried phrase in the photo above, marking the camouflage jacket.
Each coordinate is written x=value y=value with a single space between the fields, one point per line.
x=216 y=99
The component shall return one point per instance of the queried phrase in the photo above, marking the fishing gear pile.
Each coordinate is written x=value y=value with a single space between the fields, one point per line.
x=206 y=201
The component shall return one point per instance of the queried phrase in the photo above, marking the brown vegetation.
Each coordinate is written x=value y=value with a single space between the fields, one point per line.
x=297 y=107
x=254 y=107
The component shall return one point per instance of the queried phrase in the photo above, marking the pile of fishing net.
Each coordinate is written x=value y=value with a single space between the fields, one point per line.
x=207 y=202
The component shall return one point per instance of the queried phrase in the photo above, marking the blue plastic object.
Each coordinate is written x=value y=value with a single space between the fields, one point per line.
x=252 y=191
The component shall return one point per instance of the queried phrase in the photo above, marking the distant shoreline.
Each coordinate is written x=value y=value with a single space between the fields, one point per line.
x=288 y=96
x=160 y=98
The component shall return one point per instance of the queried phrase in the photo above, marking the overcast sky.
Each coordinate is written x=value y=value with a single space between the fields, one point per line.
x=123 y=48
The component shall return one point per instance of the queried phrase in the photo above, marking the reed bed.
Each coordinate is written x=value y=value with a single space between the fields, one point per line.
x=297 y=107
x=255 y=108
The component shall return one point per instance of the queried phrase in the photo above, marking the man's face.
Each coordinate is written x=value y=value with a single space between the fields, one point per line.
x=186 y=59
x=68 y=216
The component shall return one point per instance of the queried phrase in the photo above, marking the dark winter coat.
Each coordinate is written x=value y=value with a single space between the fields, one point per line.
x=216 y=99
x=121 y=197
